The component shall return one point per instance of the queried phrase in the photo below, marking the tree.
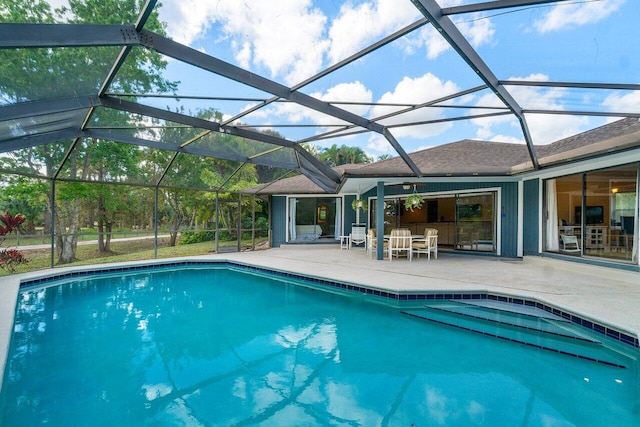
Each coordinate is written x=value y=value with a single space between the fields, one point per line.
x=34 y=74
x=27 y=195
x=336 y=156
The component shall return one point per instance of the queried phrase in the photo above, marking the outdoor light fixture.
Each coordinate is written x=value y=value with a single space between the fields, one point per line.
x=406 y=186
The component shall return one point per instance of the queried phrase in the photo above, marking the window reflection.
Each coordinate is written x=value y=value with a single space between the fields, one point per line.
x=596 y=209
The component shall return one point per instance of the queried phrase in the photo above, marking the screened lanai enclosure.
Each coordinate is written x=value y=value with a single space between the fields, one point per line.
x=131 y=118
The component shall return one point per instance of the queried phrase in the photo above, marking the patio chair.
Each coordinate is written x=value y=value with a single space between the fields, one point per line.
x=399 y=242
x=372 y=244
x=569 y=243
x=426 y=244
x=359 y=236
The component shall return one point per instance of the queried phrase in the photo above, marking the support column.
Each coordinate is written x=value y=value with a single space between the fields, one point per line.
x=380 y=220
x=53 y=222
x=155 y=223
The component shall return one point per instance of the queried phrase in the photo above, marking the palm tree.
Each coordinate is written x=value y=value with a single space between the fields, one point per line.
x=335 y=156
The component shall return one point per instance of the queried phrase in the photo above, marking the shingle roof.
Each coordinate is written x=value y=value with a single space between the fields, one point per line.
x=470 y=157
x=466 y=157
x=616 y=136
x=298 y=184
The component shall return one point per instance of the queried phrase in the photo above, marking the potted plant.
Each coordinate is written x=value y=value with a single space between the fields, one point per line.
x=359 y=204
x=413 y=201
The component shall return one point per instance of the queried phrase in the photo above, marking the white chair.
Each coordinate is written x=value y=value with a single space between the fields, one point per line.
x=399 y=242
x=372 y=244
x=569 y=243
x=426 y=245
x=358 y=236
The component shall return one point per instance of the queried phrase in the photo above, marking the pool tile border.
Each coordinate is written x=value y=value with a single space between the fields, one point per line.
x=622 y=337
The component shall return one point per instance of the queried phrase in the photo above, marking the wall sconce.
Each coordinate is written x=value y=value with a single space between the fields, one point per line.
x=406 y=186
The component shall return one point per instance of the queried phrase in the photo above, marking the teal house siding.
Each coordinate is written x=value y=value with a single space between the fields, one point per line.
x=350 y=214
x=278 y=220
x=509 y=219
x=531 y=217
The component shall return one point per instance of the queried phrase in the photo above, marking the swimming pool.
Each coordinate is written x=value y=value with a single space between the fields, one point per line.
x=225 y=345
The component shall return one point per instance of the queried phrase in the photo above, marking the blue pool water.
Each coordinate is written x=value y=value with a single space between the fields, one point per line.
x=209 y=346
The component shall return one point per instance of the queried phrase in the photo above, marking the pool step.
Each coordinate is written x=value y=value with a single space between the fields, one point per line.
x=524 y=325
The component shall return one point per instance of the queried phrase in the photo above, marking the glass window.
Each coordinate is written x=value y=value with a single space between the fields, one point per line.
x=594 y=214
x=475 y=223
x=464 y=221
x=314 y=218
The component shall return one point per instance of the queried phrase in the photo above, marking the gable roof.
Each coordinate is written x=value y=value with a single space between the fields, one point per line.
x=298 y=184
x=476 y=158
x=466 y=157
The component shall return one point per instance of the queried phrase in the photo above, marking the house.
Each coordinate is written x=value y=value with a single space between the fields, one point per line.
x=486 y=198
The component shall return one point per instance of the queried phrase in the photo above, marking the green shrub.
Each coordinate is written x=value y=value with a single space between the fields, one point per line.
x=189 y=237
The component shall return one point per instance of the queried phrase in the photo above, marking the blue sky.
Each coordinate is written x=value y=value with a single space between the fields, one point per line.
x=289 y=41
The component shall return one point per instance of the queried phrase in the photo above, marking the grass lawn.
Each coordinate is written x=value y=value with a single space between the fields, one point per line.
x=135 y=250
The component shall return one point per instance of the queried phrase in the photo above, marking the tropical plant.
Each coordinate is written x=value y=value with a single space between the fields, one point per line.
x=11 y=258
x=413 y=201
x=335 y=156
x=359 y=204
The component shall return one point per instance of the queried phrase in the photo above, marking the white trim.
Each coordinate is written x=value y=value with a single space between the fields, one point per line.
x=540 y=213
x=520 y=239
x=498 y=191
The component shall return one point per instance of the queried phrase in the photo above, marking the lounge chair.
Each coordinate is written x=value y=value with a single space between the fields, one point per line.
x=569 y=243
x=426 y=245
x=359 y=236
x=399 y=242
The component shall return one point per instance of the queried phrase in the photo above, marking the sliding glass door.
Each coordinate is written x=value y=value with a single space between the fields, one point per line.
x=314 y=218
x=465 y=221
x=599 y=209
x=475 y=222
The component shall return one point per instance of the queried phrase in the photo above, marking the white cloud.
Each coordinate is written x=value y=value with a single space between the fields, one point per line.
x=378 y=144
x=287 y=38
x=544 y=129
x=293 y=40
x=187 y=20
x=477 y=31
x=353 y=92
x=411 y=91
x=618 y=102
x=568 y=15
x=416 y=91
x=360 y=25
x=505 y=138
x=433 y=42
x=243 y=53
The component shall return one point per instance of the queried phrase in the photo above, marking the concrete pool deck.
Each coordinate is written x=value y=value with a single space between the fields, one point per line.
x=605 y=295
